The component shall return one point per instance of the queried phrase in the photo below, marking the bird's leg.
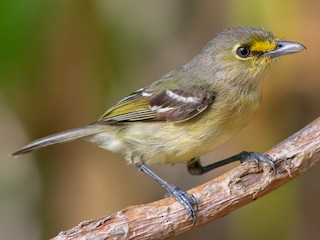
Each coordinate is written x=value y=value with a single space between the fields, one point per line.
x=186 y=199
x=195 y=167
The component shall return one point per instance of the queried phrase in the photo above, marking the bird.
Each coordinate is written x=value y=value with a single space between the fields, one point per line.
x=190 y=111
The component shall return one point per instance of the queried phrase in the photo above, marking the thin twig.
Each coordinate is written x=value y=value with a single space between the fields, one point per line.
x=216 y=198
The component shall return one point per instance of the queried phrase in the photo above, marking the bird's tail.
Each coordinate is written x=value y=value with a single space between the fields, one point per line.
x=62 y=137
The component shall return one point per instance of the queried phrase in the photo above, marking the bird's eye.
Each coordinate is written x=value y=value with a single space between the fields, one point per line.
x=243 y=52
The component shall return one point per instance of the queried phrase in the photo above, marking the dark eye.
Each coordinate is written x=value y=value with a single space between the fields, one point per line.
x=243 y=52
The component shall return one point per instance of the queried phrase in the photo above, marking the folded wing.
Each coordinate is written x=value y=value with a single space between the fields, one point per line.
x=175 y=105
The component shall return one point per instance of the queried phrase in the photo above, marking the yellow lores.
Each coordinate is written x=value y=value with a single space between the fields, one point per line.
x=189 y=111
x=263 y=46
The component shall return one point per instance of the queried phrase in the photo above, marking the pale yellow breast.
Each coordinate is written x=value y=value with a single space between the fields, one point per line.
x=163 y=142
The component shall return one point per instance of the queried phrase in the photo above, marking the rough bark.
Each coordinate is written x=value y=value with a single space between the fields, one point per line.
x=216 y=198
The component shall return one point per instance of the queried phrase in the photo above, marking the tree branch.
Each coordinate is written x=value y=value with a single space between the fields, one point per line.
x=216 y=198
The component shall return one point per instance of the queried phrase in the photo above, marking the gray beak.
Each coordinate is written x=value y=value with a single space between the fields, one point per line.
x=284 y=48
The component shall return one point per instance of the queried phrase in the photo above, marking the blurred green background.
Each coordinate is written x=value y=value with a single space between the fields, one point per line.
x=63 y=63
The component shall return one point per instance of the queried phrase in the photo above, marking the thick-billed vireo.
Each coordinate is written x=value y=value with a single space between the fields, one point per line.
x=189 y=111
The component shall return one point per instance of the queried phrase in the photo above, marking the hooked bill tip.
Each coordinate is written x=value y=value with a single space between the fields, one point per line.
x=285 y=48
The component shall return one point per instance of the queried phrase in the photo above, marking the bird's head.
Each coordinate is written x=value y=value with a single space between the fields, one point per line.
x=246 y=52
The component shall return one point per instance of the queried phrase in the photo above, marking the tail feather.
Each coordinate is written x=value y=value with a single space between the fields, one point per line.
x=61 y=137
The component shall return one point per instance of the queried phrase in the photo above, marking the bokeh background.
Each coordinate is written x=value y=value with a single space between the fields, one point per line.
x=63 y=63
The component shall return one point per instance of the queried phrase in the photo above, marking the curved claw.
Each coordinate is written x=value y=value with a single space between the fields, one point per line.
x=186 y=199
x=256 y=158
